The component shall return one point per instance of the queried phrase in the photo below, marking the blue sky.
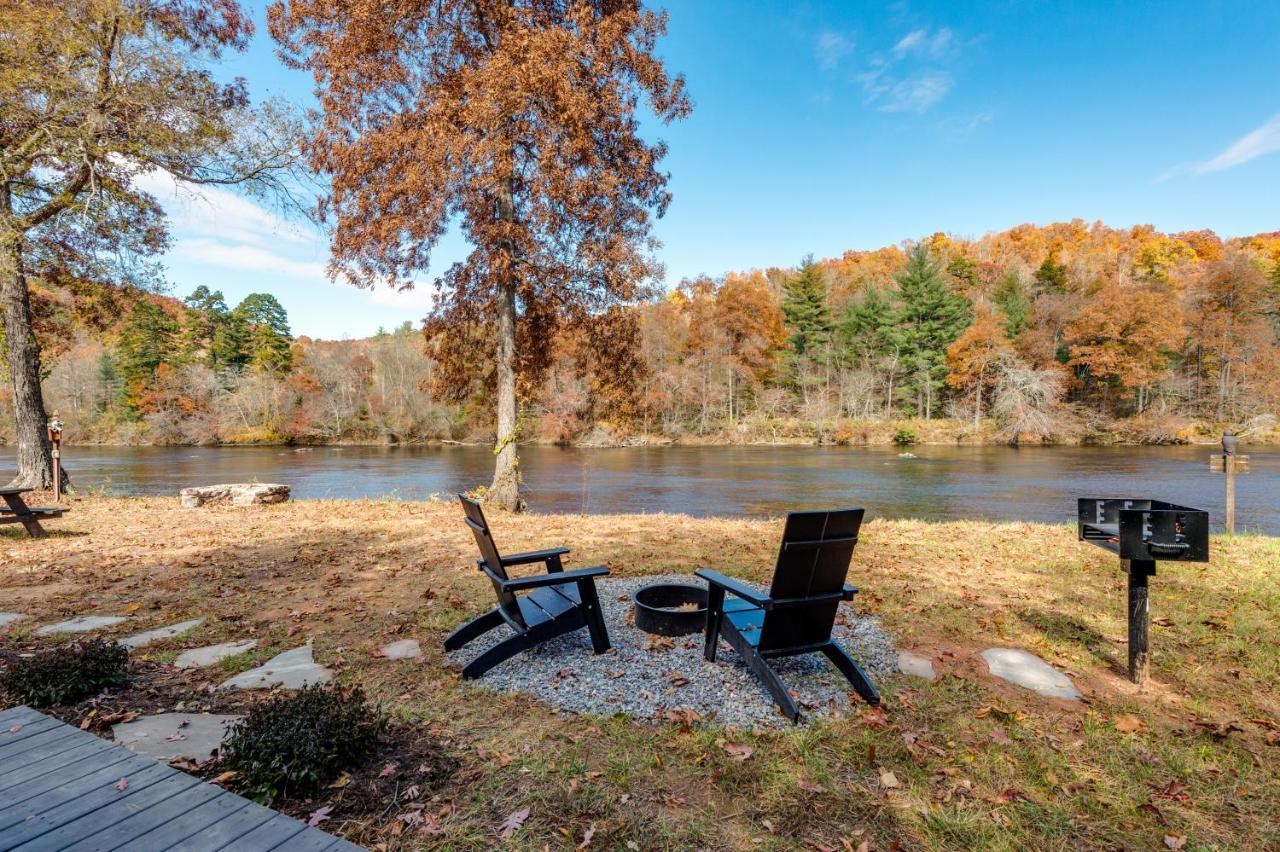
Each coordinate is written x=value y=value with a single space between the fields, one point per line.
x=821 y=127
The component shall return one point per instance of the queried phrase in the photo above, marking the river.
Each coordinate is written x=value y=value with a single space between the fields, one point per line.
x=941 y=482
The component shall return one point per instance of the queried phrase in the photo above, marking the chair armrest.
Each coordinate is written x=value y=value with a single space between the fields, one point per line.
x=534 y=556
x=737 y=587
x=560 y=578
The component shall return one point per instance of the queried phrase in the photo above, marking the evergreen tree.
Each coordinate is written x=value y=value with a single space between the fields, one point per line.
x=1052 y=276
x=206 y=311
x=148 y=339
x=1010 y=296
x=804 y=305
x=869 y=328
x=268 y=336
x=930 y=318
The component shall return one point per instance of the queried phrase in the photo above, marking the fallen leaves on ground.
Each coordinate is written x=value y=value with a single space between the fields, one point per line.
x=512 y=823
x=319 y=815
x=1129 y=724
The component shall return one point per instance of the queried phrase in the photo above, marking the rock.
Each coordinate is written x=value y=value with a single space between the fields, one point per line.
x=405 y=649
x=291 y=670
x=237 y=494
x=1029 y=671
x=81 y=624
x=916 y=665
x=7 y=618
x=169 y=736
x=140 y=639
x=207 y=656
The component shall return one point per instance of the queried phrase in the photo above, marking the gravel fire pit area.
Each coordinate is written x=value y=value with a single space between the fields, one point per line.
x=657 y=678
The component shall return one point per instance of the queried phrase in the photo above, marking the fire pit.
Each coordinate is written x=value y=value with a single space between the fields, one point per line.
x=670 y=609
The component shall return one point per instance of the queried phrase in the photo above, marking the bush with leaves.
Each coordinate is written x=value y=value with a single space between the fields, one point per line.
x=297 y=743
x=68 y=673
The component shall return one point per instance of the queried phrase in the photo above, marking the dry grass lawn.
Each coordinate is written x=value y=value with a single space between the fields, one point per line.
x=963 y=762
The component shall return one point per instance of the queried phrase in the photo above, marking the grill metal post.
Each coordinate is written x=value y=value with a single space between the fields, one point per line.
x=1140 y=570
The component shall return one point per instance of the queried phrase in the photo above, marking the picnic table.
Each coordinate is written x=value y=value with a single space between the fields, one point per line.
x=16 y=511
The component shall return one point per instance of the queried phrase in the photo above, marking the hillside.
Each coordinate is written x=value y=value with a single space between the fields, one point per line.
x=1067 y=332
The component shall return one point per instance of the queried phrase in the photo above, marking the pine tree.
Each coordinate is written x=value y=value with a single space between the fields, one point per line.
x=930 y=318
x=268 y=338
x=206 y=311
x=869 y=328
x=1052 y=276
x=1010 y=296
x=804 y=304
x=148 y=339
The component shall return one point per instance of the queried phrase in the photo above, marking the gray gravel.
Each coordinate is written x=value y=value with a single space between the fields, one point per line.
x=641 y=679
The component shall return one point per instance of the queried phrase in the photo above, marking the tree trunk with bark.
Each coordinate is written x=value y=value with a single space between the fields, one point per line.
x=505 y=490
x=35 y=454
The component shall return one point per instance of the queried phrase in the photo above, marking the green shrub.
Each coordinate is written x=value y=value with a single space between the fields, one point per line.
x=904 y=437
x=68 y=673
x=297 y=743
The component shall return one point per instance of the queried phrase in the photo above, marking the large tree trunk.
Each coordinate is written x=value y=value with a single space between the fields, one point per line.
x=505 y=490
x=35 y=455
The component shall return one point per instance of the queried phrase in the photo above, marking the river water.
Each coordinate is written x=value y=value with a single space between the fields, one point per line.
x=942 y=482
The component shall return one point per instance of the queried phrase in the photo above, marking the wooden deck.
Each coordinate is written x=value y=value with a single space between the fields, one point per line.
x=60 y=789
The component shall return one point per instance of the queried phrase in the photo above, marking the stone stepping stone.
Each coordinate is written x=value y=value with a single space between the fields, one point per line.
x=7 y=618
x=916 y=665
x=1029 y=671
x=405 y=649
x=292 y=670
x=140 y=639
x=170 y=736
x=81 y=624
x=207 y=656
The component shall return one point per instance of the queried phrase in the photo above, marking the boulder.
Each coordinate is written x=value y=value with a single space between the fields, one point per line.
x=237 y=494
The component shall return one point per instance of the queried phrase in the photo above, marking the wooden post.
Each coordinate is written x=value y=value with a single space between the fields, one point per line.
x=1229 y=467
x=55 y=439
x=1140 y=571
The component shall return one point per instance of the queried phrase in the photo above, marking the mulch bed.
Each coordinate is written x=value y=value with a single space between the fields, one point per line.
x=388 y=794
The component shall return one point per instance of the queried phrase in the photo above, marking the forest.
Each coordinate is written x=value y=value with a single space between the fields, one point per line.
x=1063 y=333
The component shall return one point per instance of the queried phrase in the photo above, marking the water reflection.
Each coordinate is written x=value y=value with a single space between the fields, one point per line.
x=1037 y=483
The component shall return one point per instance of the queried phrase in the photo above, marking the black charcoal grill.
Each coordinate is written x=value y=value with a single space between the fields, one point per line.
x=1141 y=532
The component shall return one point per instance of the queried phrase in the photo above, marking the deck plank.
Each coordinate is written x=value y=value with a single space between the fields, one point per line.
x=52 y=791
x=59 y=791
x=89 y=811
x=65 y=763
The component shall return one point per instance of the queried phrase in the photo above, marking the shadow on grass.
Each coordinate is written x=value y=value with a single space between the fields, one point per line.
x=18 y=533
x=1066 y=629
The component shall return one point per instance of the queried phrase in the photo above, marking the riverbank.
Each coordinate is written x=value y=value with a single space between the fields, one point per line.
x=962 y=761
x=784 y=432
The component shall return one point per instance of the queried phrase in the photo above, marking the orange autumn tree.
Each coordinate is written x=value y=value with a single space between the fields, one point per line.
x=972 y=359
x=1124 y=336
x=514 y=121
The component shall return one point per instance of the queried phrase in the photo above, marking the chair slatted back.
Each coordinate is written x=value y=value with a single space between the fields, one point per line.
x=489 y=553
x=812 y=561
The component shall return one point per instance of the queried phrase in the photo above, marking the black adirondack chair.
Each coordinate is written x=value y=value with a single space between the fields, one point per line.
x=557 y=602
x=797 y=614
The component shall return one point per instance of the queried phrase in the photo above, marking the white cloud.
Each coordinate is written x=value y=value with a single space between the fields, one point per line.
x=422 y=296
x=831 y=47
x=1264 y=140
x=918 y=93
x=216 y=213
x=247 y=259
x=919 y=42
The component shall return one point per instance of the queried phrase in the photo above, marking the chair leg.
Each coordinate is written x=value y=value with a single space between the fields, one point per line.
x=532 y=637
x=594 y=616
x=853 y=672
x=504 y=650
x=473 y=628
x=772 y=682
x=715 y=615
